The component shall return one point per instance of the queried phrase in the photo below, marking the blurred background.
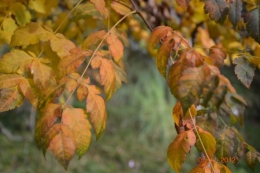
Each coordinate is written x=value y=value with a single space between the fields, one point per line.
x=140 y=128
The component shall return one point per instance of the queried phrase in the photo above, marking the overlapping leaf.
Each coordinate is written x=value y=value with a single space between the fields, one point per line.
x=14 y=61
x=86 y=10
x=10 y=80
x=27 y=88
x=217 y=56
x=253 y=23
x=208 y=141
x=217 y=10
x=120 y=75
x=93 y=39
x=178 y=149
x=225 y=144
x=244 y=70
x=235 y=11
x=76 y=120
x=32 y=33
x=107 y=75
x=115 y=47
x=119 y=8
x=10 y=98
x=183 y=3
x=22 y=15
x=101 y=7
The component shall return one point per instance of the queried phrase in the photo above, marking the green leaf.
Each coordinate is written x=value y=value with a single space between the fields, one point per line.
x=14 y=61
x=77 y=121
x=225 y=146
x=178 y=149
x=244 y=70
x=235 y=11
x=191 y=84
x=251 y=159
x=164 y=54
x=10 y=98
x=32 y=33
x=22 y=15
x=217 y=10
x=253 y=23
x=208 y=141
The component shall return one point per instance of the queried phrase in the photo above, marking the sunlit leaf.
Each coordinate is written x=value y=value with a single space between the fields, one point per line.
x=119 y=8
x=107 y=75
x=93 y=39
x=217 y=10
x=22 y=15
x=61 y=45
x=115 y=47
x=178 y=149
x=253 y=19
x=86 y=10
x=38 y=5
x=63 y=145
x=70 y=63
x=15 y=60
x=10 y=98
x=29 y=92
x=244 y=70
x=30 y=34
x=77 y=121
x=164 y=54
x=235 y=11
x=10 y=80
x=208 y=141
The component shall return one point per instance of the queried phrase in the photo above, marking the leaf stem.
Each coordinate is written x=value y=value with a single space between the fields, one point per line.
x=86 y=68
x=194 y=124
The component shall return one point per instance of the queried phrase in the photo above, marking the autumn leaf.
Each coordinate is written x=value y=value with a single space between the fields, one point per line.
x=82 y=91
x=101 y=7
x=120 y=75
x=97 y=109
x=93 y=39
x=32 y=33
x=70 y=63
x=10 y=98
x=190 y=85
x=22 y=15
x=244 y=70
x=28 y=90
x=217 y=10
x=63 y=145
x=252 y=20
x=119 y=8
x=183 y=3
x=178 y=149
x=217 y=56
x=86 y=10
x=14 y=61
x=235 y=11
x=251 y=159
x=61 y=45
x=76 y=120
x=46 y=120
x=208 y=141
x=177 y=113
x=10 y=80
x=225 y=146
x=116 y=47
x=158 y=34
x=164 y=54
x=211 y=84
x=107 y=75
x=43 y=75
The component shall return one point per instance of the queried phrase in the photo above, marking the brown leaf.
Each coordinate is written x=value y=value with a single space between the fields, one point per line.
x=217 y=56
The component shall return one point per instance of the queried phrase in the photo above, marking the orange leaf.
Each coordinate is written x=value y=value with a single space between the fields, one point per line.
x=82 y=93
x=47 y=119
x=61 y=45
x=101 y=7
x=164 y=54
x=77 y=121
x=178 y=149
x=158 y=34
x=183 y=3
x=217 y=56
x=177 y=113
x=120 y=75
x=70 y=63
x=43 y=75
x=107 y=75
x=97 y=109
x=93 y=39
x=10 y=98
x=29 y=91
x=116 y=47
x=63 y=145
x=10 y=80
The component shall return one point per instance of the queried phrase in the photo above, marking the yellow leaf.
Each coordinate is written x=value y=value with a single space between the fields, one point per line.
x=10 y=80
x=178 y=149
x=119 y=8
x=101 y=7
x=107 y=75
x=32 y=33
x=38 y=5
x=29 y=91
x=116 y=47
x=22 y=15
x=93 y=39
x=77 y=121
x=177 y=113
x=10 y=98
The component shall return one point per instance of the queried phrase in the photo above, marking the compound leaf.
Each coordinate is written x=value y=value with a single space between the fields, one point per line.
x=178 y=149
x=76 y=120
x=244 y=70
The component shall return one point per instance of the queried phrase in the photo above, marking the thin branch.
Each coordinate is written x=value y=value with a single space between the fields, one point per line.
x=125 y=5
x=94 y=53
